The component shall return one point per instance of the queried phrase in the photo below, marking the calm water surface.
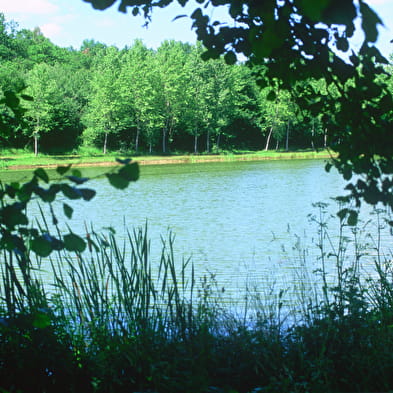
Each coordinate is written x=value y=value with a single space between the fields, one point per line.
x=237 y=220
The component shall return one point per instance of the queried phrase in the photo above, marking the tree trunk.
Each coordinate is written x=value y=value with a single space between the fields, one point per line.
x=277 y=144
x=208 y=141
x=287 y=138
x=36 y=133
x=312 y=135
x=195 y=143
x=164 y=132
x=218 y=141
x=137 y=139
x=268 y=138
x=36 y=144
x=325 y=139
x=105 y=142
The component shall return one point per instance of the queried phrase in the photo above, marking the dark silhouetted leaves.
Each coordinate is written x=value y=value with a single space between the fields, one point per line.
x=101 y=4
x=352 y=218
x=41 y=320
x=74 y=243
x=11 y=99
x=27 y=97
x=230 y=58
x=78 y=180
x=45 y=195
x=123 y=161
x=87 y=193
x=41 y=246
x=13 y=215
x=18 y=236
x=70 y=192
x=130 y=172
x=179 y=17
x=370 y=22
x=125 y=175
x=61 y=170
x=117 y=181
x=314 y=9
x=41 y=173
x=271 y=95
x=68 y=210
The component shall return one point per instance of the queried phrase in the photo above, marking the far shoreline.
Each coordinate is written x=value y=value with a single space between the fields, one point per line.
x=80 y=161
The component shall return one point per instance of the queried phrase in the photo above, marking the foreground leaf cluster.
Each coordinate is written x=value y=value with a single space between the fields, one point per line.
x=20 y=235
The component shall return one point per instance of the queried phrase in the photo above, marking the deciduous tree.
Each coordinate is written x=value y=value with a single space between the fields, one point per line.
x=299 y=40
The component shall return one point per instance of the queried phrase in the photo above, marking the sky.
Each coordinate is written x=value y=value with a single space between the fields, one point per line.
x=68 y=22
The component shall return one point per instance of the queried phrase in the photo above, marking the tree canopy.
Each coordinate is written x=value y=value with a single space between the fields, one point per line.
x=290 y=42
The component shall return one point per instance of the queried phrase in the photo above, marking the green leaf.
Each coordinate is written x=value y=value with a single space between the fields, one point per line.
x=87 y=193
x=271 y=95
x=102 y=4
x=123 y=161
x=61 y=170
x=12 y=242
x=347 y=172
x=179 y=17
x=352 y=218
x=78 y=180
x=117 y=181
x=12 y=215
x=24 y=194
x=76 y=173
x=130 y=172
x=10 y=190
x=262 y=83
x=342 y=44
x=68 y=210
x=370 y=20
x=41 y=246
x=314 y=8
x=197 y=14
x=45 y=195
x=27 y=97
x=70 y=192
x=342 y=214
x=74 y=242
x=230 y=58
x=235 y=9
x=41 y=320
x=11 y=99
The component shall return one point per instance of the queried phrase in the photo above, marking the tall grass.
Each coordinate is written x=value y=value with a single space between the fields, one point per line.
x=114 y=320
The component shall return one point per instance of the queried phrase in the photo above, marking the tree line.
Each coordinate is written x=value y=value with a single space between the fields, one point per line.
x=143 y=100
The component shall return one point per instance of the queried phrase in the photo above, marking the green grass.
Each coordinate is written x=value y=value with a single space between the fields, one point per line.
x=19 y=158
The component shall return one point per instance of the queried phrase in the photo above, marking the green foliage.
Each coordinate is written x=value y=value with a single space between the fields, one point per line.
x=17 y=234
x=290 y=45
x=156 y=100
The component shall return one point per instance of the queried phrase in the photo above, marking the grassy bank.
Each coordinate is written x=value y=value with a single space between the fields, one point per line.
x=14 y=159
x=114 y=320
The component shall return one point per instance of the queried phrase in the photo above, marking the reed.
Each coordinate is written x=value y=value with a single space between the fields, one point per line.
x=113 y=319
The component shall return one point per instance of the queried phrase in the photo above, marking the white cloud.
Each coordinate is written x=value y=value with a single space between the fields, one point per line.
x=37 y=7
x=51 y=30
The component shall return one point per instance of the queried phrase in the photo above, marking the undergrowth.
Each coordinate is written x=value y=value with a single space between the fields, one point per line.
x=114 y=320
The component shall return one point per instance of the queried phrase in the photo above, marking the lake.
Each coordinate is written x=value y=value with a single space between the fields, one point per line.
x=242 y=221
